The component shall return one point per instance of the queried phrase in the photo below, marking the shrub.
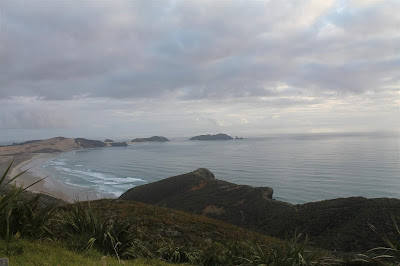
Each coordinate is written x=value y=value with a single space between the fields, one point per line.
x=22 y=215
x=86 y=229
x=391 y=253
x=178 y=254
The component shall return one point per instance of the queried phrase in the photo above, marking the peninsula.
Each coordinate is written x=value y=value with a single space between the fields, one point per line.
x=337 y=224
x=30 y=154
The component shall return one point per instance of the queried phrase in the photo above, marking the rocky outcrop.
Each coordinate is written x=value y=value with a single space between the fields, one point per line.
x=204 y=172
x=338 y=224
x=118 y=144
x=199 y=192
x=87 y=143
x=151 y=139
x=219 y=136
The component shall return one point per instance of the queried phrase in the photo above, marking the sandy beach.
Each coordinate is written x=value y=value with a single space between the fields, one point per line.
x=49 y=185
x=32 y=161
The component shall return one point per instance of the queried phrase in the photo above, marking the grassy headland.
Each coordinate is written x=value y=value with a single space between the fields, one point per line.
x=41 y=230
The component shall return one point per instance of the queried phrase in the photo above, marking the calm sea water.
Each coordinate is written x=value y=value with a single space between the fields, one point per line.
x=301 y=168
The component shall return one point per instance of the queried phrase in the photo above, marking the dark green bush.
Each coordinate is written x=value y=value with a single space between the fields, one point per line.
x=83 y=228
x=21 y=214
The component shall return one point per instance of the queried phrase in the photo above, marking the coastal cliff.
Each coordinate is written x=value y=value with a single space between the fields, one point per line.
x=338 y=224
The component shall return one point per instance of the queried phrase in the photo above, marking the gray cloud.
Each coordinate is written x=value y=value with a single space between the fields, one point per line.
x=278 y=53
x=202 y=49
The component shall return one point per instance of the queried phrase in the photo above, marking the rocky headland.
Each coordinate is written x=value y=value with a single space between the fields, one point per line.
x=151 y=139
x=117 y=144
x=219 y=136
x=338 y=224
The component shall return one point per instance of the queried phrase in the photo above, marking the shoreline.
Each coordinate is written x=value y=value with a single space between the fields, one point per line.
x=49 y=185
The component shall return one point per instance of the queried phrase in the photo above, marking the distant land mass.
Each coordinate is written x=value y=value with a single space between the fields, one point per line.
x=337 y=224
x=87 y=143
x=108 y=140
x=117 y=144
x=54 y=145
x=151 y=139
x=219 y=136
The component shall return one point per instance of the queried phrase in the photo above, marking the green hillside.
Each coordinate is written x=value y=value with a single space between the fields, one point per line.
x=34 y=231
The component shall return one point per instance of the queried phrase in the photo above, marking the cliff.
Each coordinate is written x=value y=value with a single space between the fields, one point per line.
x=338 y=224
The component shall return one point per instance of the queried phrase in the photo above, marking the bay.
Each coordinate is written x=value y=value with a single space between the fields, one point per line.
x=300 y=168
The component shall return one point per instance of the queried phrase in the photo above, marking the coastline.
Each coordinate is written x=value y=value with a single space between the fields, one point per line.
x=49 y=185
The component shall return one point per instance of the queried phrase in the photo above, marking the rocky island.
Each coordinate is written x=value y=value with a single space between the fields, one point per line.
x=219 y=136
x=117 y=144
x=151 y=139
x=111 y=143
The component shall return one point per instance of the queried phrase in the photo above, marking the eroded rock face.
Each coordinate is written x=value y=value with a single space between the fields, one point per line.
x=204 y=172
x=266 y=192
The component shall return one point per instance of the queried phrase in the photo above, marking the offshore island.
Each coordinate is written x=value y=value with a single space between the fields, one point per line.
x=151 y=139
x=219 y=136
x=195 y=199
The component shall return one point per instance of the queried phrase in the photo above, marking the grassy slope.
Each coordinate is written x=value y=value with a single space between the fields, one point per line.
x=25 y=252
x=338 y=224
x=181 y=227
x=157 y=225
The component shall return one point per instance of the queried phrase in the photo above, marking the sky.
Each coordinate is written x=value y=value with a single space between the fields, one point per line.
x=125 y=69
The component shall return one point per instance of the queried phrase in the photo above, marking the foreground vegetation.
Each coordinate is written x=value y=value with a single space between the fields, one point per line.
x=111 y=232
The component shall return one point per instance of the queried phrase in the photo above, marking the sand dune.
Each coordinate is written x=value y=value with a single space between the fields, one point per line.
x=29 y=155
x=58 y=144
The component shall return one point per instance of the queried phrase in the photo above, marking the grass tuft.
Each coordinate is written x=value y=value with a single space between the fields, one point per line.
x=22 y=215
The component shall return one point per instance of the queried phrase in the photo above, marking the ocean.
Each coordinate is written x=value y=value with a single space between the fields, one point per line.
x=300 y=168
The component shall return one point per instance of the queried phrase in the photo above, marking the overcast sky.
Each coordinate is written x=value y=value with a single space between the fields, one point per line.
x=177 y=68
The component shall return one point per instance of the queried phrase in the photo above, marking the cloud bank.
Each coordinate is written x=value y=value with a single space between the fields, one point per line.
x=226 y=61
